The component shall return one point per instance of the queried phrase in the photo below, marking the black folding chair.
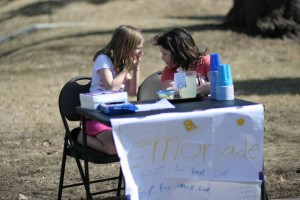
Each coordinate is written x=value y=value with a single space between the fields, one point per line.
x=68 y=101
x=151 y=84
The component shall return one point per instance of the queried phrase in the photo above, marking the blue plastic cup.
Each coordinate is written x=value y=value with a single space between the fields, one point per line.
x=224 y=75
x=213 y=73
x=215 y=61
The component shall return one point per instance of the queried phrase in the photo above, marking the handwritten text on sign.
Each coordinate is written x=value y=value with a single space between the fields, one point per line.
x=196 y=154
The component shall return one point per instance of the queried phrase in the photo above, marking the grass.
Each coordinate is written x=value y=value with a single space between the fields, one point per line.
x=34 y=67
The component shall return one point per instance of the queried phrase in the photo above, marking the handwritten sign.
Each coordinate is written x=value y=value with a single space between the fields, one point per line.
x=199 y=155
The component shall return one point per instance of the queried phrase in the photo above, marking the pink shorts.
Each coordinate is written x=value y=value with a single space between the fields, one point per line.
x=93 y=128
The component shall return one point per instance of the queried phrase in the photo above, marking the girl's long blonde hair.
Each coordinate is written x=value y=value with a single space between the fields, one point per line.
x=121 y=47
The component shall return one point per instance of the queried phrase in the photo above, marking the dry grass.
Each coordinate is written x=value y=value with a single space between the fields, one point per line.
x=34 y=67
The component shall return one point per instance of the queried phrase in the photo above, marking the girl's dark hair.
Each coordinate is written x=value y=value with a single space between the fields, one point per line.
x=184 y=52
x=121 y=47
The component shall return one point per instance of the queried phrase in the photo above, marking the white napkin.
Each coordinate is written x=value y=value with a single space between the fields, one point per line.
x=161 y=104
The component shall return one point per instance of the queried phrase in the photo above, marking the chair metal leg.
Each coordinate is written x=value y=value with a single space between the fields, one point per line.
x=62 y=171
x=62 y=174
x=84 y=179
x=86 y=164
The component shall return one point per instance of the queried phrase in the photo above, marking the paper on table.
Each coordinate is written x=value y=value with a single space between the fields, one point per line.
x=161 y=104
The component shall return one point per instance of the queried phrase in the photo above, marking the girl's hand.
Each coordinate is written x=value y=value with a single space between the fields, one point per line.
x=137 y=59
x=201 y=79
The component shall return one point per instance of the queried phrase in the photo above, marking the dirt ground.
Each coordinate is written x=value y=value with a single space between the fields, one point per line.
x=35 y=65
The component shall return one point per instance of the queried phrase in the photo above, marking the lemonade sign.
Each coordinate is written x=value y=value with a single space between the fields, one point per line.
x=199 y=155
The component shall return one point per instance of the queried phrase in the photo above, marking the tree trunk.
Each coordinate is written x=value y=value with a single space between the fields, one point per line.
x=271 y=18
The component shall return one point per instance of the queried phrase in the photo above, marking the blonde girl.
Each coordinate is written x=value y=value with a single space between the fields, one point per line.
x=116 y=67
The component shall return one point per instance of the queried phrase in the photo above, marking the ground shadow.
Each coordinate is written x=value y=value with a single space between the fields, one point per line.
x=34 y=9
x=220 y=25
x=110 y=198
x=77 y=35
x=201 y=17
x=97 y=1
x=5 y=2
x=215 y=22
x=200 y=27
x=42 y=8
x=281 y=86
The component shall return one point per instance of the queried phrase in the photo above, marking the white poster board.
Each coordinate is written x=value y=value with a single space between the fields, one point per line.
x=196 y=155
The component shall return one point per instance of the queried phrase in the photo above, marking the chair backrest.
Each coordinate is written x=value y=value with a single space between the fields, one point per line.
x=151 y=84
x=69 y=97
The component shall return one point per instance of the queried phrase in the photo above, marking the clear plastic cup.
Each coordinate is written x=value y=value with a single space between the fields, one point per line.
x=190 y=90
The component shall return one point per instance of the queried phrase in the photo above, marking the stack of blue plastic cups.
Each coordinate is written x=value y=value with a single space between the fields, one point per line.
x=225 y=88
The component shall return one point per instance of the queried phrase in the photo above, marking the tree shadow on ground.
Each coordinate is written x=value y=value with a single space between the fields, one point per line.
x=219 y=24
x=281 y=86
x=200 y=27
x=220 y=18
x=110 y=198
x=43 y=8
x=34 y=9
x=207 y=22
